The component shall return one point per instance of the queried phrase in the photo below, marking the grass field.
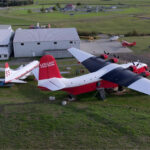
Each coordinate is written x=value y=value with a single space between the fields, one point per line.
x=28 y=120
x=114 y=2
x=110 y=22
x=142 y=44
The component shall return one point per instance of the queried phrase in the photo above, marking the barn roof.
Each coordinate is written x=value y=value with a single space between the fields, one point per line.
x=5 y=36
x=3 y=26
x=50 y=34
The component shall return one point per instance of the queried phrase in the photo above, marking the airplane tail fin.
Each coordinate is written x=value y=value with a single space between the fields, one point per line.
x=8 y=72
x=48 y=68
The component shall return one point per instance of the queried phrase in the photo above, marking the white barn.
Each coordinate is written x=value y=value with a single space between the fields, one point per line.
x=6 y=35
x=38 y=42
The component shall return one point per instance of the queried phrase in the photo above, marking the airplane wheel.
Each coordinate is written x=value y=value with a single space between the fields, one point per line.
x=120 y=88
x=71 y=97
x=101 y=94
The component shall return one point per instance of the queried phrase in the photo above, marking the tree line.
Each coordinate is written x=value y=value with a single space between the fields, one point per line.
x=5 y=3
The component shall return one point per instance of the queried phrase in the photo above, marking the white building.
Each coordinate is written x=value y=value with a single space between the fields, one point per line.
x=5 y=27
x=6 y=34
x=38 y=42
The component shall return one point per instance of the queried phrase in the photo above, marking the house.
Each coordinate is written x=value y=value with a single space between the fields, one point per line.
x=69 y=7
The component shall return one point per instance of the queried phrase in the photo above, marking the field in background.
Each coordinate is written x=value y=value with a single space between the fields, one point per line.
x=121 y=21
x=133 y=2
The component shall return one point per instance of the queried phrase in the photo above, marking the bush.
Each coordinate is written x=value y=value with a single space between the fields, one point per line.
x=54 y=8
x=42 y=9
x=29 y=11
x=78 y=4
x=87 y=33
x=133 y=33
x=58 y=5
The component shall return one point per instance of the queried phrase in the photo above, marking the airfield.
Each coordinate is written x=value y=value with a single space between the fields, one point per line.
x=98 y=47
x=29 y=120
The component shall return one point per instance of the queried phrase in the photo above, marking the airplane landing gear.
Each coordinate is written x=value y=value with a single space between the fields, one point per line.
x=120 y=88
x=101 y=93
x=71 y=97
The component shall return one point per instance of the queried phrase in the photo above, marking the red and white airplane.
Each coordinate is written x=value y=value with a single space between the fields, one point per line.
x=127 y=44
x=51 y=79
x=16 y=76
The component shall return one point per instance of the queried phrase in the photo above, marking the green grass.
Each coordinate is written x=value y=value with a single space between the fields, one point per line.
x=113 y=22
x=142 y=44
x=133 y=2
x=85 y=124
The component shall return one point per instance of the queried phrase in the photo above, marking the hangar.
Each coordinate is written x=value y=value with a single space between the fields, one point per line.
x=38 y=42
x=6 y=35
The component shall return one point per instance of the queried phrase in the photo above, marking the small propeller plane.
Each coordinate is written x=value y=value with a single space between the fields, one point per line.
x=127 y=44
x=17 y=76
x=21 y=73
x=114 y=38
x=50 y=78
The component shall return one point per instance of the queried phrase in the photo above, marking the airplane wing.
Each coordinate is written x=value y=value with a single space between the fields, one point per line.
x=112 y=72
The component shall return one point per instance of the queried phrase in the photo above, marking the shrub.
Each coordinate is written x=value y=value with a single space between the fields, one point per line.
x=29 y=11
x=78 y=4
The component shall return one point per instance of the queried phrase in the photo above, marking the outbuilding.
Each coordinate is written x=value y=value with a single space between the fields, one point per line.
x=38 y=42
x=6 y=35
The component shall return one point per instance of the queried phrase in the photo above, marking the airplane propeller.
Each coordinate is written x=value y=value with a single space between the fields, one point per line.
x=133 y=63
x=106 y=53
x=116 y=56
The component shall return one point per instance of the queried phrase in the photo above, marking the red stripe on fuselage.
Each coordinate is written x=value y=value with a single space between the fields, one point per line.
x=22 y=74
x=85 y=88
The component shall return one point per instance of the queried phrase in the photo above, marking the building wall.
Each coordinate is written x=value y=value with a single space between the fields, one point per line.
x=31 y=49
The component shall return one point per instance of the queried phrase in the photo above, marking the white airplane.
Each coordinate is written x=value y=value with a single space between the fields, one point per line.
x=114 y=38
x=51 y=79
x=16 y=76
x=21 y=73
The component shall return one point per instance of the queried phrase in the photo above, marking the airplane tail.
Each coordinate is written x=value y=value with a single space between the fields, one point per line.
x=48 y=68
x=8 y=73
x=49 y=74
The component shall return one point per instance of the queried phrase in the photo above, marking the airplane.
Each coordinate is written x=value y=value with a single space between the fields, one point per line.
x=21 y=73
x=114 y=38
x=17 y=76
x=127 y=44
x=122 y=75
x=50 y=78
x=136 y=67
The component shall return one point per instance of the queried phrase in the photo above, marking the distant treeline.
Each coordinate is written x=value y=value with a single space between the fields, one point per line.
x=4 y=3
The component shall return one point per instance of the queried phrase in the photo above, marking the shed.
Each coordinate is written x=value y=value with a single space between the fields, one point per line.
x=5 y=43
x=37 y=42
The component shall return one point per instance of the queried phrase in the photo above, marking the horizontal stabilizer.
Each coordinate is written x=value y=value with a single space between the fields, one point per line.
x=18 y=81
x=52 y=84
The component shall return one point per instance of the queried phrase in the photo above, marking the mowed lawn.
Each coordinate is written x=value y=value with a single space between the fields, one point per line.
x=142 y=44
x=120 y=122
x=28 y=120
x=133 y=2
x=121 y=21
